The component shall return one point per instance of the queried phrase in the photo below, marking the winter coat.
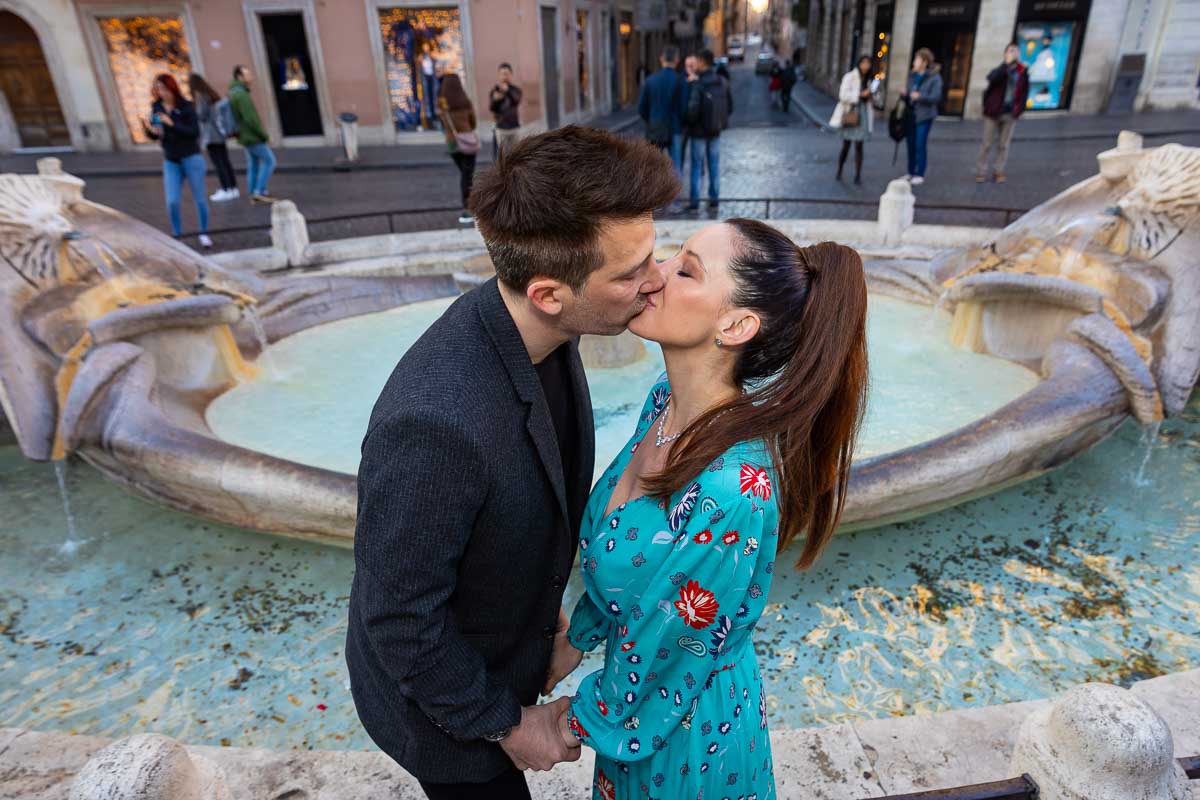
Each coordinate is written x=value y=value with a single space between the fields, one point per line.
x=925 y=107
x=206 y=113
x=182 y=139
x=993 y=96
x=250 y=127
x=505 y=109
x=461 y=120
x=848 y=98
x=663 y=99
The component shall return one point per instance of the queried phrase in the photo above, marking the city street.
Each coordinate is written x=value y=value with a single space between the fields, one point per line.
x=766 y=153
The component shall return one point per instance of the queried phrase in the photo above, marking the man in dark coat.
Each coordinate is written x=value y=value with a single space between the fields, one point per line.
x=476 y=468
x=1003 y=102
x=661 y=106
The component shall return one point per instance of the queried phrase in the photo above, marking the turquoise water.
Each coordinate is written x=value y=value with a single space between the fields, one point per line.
x=312 y=401
x=161 y=622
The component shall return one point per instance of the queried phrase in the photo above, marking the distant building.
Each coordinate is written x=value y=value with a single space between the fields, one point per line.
x=76 y=73
x=1084 y=56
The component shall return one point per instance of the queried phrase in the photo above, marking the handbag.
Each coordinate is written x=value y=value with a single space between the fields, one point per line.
x=850 y=117
x=465 y=143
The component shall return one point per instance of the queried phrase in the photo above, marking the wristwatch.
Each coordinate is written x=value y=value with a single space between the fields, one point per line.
x=498 y=735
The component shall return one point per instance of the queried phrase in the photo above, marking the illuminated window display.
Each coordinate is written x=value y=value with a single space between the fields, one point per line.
x=1049 y=34
x=408 y=35
x=138 y=49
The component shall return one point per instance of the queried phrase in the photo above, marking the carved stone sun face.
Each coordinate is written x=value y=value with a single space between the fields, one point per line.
x=1162 y=199
x=32 y=227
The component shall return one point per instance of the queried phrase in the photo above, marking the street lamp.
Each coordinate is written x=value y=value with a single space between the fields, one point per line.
x=759 y=6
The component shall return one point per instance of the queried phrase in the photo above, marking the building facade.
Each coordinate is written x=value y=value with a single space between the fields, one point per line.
x=77 y=73
x=1084 y=56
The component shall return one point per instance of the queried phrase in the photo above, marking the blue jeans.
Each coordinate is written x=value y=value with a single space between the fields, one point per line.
x=917 y=136
x=677 y=153
x=192 y=169
x=700 y=149
x=260 y=163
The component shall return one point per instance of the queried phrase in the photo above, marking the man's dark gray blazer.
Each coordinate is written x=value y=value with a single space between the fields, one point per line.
x=466 y=534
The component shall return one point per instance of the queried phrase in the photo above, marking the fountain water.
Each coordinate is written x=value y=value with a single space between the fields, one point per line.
x=1146 y=442
x=73 y=542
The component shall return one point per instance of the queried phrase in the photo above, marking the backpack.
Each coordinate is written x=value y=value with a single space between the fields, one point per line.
x=714 y=107
x=224 y=118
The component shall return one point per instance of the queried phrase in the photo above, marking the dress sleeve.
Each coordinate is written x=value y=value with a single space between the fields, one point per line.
x=589 y=624
x=694 y=620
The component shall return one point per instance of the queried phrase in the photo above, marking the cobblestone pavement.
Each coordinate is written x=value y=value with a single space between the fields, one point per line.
x=765 y=154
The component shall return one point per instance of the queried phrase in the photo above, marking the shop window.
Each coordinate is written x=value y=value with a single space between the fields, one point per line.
x=1046 y=52
x=140 y=48
x=419 y=46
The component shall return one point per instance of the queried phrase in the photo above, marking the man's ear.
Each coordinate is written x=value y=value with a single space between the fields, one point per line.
x=738 y=327
x=546 y=295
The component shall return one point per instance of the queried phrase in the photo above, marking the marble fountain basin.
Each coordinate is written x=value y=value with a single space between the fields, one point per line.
x=242 y=397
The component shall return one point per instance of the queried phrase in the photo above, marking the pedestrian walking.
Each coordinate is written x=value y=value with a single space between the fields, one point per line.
x=854 y=116
x=457 y=116
x=661 y=106
x=923 y=95
x=212 y=137
x=429 y=86
x=786 y=81
x=505 y=105
x=710 y=102
x=1003 y=102
x=173 y=123
x=260 y=161
x=775 y=87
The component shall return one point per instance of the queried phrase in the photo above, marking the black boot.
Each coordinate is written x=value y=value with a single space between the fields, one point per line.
x=858 y=159
x=842 y=158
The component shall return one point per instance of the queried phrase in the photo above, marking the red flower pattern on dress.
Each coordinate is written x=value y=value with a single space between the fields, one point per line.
x=625 y=648
x=576 y=728
x=730 y=538
x=605 y=786
x=697 y=606
x=756 y=481
x=703 y=537
x=603 y=708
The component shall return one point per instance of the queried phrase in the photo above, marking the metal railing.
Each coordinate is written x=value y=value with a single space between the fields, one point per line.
x=411 y=220
x=1022 y=788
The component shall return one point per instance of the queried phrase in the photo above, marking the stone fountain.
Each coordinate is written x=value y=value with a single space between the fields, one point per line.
x=117 y=337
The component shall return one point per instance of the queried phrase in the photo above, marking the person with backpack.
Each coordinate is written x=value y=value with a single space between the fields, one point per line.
x=710 y=102
x=661 y=107
x=457 y=116
x=212 y=134
x=260 y=161
x=922 y=98
x=853 y=116
x=1003 y=102
x=173 y=123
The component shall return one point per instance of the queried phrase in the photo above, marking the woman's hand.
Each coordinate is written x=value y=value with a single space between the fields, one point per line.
x=564 y=658
x=165 y=119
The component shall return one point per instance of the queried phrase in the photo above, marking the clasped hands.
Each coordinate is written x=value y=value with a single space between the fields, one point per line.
x=543 y=738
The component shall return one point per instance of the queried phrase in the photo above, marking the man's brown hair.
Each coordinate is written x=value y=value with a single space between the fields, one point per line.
x=542 y=207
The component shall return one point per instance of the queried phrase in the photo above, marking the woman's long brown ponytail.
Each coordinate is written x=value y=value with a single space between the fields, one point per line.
x=805 y=373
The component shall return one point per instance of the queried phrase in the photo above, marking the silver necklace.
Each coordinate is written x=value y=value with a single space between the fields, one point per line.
x=659 y=439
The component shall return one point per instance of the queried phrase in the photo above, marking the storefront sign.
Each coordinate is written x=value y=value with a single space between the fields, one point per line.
x=1053 y=9
x=943 y=11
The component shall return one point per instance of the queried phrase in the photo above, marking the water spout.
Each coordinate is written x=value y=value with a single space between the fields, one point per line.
x=73 y=542
x=1146 y=442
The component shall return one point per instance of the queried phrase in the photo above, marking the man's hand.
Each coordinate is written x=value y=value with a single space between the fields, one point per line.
x=537 y=743
x=914 y=95
x=564 y=658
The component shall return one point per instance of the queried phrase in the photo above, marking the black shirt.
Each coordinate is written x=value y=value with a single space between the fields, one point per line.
x=181 y=139
x=556 y=386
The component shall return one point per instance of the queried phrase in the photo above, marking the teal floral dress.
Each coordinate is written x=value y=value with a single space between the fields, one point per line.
x=674 y=591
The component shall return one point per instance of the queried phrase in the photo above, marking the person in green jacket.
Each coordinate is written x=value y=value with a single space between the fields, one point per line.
x=260 y=161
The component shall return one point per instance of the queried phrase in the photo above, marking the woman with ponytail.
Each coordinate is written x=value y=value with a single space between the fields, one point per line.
x=742 y=447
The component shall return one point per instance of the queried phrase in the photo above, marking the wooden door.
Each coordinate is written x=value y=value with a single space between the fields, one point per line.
x=25 y=81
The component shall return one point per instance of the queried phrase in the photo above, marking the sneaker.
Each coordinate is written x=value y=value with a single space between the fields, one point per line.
x=906 y=177
x=999 y=177
x=233 y=193
x=917 y=180
x=205 y=242
x=980 y=177
x=263 y=198
x=465 y=218
x=219 y=195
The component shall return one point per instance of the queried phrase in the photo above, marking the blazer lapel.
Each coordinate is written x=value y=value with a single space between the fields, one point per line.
x=503 y=331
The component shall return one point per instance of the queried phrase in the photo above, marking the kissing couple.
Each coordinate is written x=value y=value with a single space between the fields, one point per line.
x=473 y=490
